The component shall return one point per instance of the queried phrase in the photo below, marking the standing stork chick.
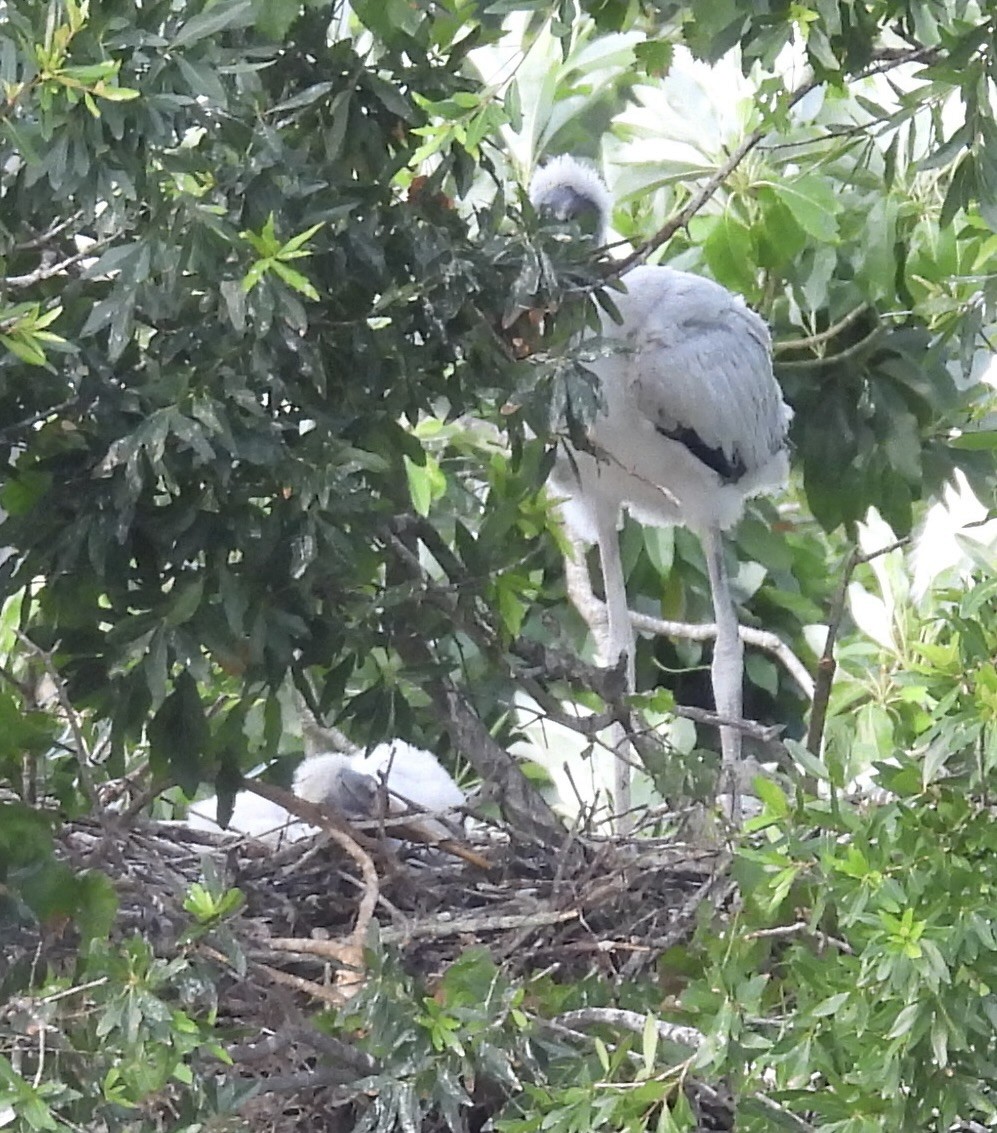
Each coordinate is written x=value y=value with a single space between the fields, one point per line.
x=692 y=424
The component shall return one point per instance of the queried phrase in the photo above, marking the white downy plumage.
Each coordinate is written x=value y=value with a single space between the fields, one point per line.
x=348 y=783
x=693 y=424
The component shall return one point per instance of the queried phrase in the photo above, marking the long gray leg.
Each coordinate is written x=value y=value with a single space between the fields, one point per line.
x=619 y=639
x=728 y=658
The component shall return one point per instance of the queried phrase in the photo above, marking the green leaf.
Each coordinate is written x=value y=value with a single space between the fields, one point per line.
x=730 y=252
x=772 y=796
x=115 y=93
x=178 y=735
x=655 y=56
x=419 y=486
x=426 y=483
x=830 y=1006
x=255 y=274
x=185 y=603
x=813 y=204
x=24 y=348
x=904 y=1022
x=213 y=19
x=294 y=279
x=659 y=543
x=513 y=104
x=982 y=440
x=296 y=242
x=275 y=18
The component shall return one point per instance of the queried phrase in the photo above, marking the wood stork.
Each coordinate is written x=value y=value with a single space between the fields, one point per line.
x=350 y=784
x=692 y=423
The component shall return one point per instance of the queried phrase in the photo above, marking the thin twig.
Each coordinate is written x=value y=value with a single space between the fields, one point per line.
x=75 y=990
x=812 y=341
x=292 y=1083
x=845 y=355
x=436 y=929
x=765 y=733
x=333 y=996
x=337 y=830
x=520 y=801
x=269 y=1045
x=47 y=269
x=797 y=929
x=702 y=195
x=35 y=418
x=826 y=665
x=885 y=62
x=750 y=635
x=48 y=234
x=25 y=689
x=307 y=946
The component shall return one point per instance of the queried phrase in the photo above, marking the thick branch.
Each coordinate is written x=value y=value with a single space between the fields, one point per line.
x=519 y=801
x=594 y=612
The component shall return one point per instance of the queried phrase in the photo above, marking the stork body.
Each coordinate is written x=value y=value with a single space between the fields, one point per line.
x=692 y=424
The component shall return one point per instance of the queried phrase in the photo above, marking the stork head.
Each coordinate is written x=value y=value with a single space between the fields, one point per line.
x=332 y=780
x=571 y=190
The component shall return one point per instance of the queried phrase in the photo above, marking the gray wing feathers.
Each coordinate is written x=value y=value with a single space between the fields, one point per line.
x=701 y=360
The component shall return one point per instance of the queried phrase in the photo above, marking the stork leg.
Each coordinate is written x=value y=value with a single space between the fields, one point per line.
x=619 y=639
x=727 y=671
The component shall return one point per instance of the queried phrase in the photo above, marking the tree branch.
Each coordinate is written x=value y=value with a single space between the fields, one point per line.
x=885 y=60
x=631 y=1021
x=833 y=359
x=519 y=801
x=81 y=748
x=811 y=342
x=827 y=665
x=49 y=234
x=48 y=268
x=640 y=254
x=593 y=611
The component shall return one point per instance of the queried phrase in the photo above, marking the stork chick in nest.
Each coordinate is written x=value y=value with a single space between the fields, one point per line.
x=409 y=777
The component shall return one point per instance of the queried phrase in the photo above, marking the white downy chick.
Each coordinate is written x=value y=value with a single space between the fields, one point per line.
x=412 y=777
x=259 y=818
x=348 y=783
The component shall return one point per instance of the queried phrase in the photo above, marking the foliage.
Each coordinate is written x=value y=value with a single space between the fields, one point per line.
x=114 y=1043
x=277 y=403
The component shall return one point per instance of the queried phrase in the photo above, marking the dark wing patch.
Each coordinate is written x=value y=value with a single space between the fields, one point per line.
x=729 y=471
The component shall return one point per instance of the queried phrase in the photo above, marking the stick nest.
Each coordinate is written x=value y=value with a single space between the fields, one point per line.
x=583 y=907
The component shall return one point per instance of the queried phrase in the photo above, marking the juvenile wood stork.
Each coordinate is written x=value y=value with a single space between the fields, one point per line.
x=349 y=783
x=692 y=424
